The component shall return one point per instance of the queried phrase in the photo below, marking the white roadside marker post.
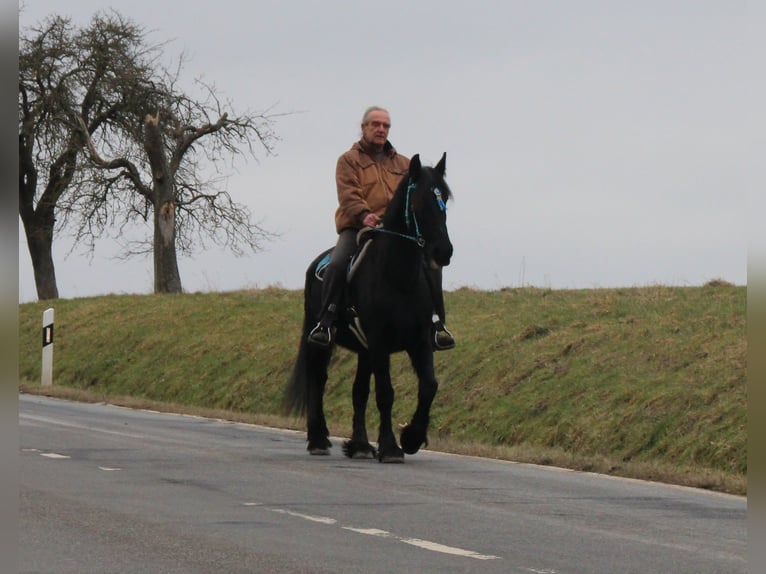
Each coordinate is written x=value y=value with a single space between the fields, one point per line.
x=48 y=347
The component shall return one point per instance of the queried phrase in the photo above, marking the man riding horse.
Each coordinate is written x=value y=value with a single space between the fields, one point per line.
x=366 y=177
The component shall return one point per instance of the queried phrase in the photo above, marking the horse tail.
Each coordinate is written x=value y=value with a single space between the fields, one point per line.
x=295 y=399
x=309 y=362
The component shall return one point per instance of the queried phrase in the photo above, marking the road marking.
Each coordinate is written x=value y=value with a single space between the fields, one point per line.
x=425 y=544
x=436 y=547
x=56 y=456
x=320 y=519
x=370 y=531
x=417 y=542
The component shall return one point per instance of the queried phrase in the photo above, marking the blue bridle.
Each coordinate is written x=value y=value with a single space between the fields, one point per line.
x=417 y=238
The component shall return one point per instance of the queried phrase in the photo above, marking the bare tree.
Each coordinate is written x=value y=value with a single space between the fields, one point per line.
x=107 y=137
x=178 y=178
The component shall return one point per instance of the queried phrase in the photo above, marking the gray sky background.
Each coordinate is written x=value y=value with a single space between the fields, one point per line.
x=590 y=143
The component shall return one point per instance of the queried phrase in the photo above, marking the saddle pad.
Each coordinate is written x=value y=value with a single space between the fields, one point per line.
x=322 y=266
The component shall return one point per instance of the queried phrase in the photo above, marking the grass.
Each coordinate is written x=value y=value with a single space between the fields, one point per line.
x=645 y=382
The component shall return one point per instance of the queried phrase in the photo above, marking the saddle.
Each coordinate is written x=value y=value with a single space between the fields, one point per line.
x=349 y=313
x=363 y=241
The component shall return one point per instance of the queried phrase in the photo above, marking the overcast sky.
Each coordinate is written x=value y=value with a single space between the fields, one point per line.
x=589 y=143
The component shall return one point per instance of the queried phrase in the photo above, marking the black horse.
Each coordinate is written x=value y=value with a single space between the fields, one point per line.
x=387 y=308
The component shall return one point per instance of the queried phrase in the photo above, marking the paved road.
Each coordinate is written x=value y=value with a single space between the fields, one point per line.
x=112 y=490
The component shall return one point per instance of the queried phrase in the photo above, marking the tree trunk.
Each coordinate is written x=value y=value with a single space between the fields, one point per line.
x=38 y=224
x=166 y=276
x=39 y=233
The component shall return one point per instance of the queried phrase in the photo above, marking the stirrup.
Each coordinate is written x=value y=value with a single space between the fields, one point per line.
x=443 y=338
x=321 y=336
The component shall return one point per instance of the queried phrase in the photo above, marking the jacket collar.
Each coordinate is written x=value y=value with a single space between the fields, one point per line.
x=388 y=149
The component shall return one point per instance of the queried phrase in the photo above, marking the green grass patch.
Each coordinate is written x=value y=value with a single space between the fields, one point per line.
x=646 y=382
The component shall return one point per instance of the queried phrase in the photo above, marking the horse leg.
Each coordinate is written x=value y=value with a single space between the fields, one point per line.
x=359 y=446
x=414 y=435
x=318 y=434
x=388 y=449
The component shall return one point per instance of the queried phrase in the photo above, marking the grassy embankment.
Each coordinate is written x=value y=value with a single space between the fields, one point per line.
x=644 y=382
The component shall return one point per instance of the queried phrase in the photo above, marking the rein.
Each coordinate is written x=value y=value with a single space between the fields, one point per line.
x=417 y=238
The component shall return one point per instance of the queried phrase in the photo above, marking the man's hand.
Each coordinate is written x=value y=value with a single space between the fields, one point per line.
x=371 y=220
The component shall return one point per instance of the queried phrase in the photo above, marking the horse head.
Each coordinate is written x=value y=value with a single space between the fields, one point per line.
x=426 y=209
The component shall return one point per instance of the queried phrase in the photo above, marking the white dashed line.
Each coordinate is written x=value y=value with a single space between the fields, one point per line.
x=57 y=456
x=320 y=519
x=424 y=544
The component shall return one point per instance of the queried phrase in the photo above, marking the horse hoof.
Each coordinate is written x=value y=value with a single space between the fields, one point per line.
x=319 y=448
x=412 y=440
x=391 y=458
x=359 y=451
x=364 y=455
x=394 y=455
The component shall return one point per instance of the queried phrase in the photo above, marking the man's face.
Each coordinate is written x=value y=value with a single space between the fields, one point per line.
x=375 y=131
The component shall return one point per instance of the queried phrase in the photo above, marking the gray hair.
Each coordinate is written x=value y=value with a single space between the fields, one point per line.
x=371 y=109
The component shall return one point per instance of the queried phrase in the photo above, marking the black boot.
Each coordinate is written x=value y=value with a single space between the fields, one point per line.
x=322 y=334
x=443 y=339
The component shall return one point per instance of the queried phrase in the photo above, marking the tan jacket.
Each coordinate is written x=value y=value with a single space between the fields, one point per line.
x=364 y=185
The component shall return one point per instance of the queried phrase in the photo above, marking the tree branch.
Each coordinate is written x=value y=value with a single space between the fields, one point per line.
x=130 y=170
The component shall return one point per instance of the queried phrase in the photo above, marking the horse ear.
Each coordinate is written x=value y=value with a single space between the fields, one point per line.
x=441 y=167
x=415 y=167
